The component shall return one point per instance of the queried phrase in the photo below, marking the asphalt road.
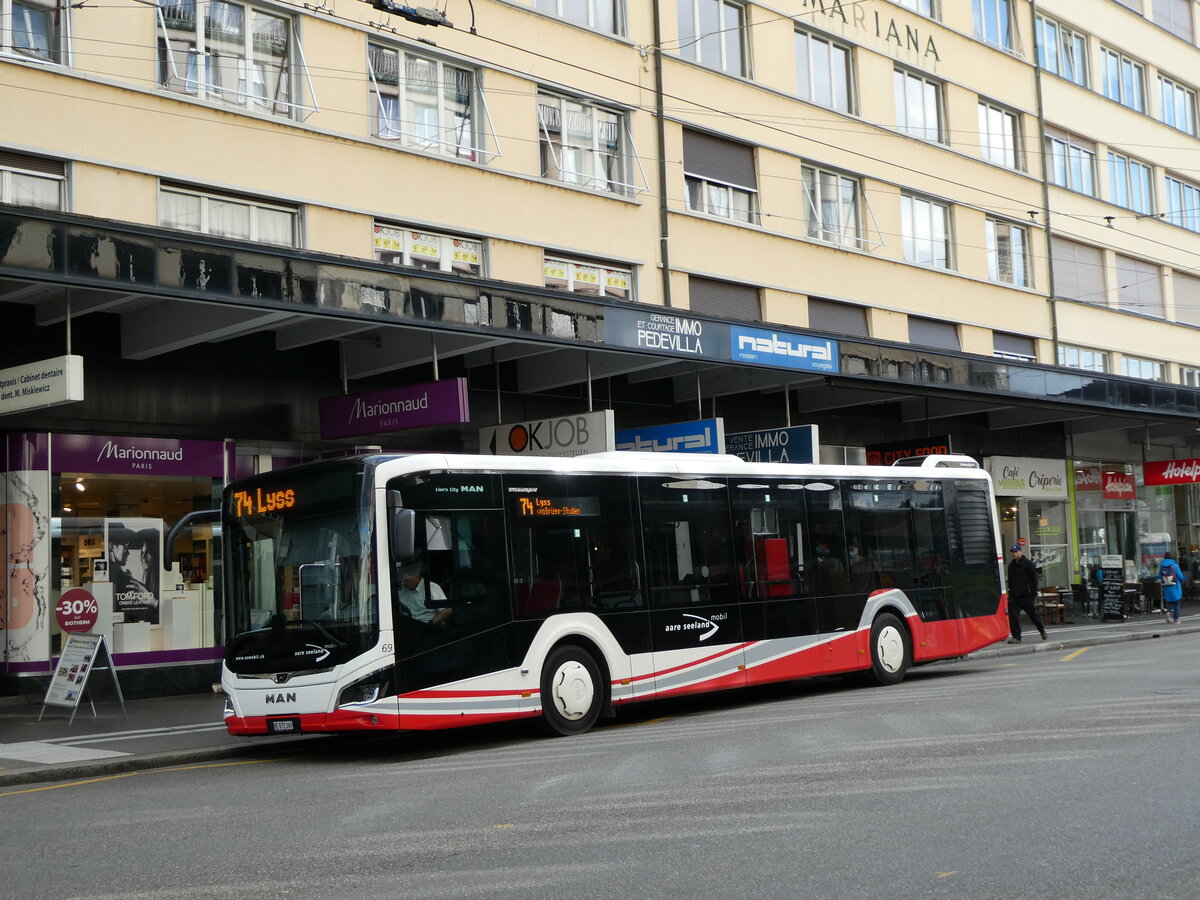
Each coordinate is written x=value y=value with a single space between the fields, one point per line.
x=1058 y=774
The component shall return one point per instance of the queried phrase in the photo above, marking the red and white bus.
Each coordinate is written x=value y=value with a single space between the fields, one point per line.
x=425 y=591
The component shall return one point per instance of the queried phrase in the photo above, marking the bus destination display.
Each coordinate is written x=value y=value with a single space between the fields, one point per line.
x=257 y=502
x=562 y=507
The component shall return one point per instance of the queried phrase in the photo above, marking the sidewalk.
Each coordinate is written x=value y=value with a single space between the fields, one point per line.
x=176 y=731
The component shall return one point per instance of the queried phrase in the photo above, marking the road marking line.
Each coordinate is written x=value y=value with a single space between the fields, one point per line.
x=246 y=762
x=1071 y=656
x=55 y=787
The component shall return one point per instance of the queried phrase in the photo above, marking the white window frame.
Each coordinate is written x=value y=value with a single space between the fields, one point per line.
x=209 y=198
x=1062 y=51
x=721 y=199
x=1175 y=16
x=553 y=106
x=1181 y=203
x=446 y=133
x=204 y=52
x=926 y=230
x=1008 y=253
x=715 y=46
x=11 y=175
x=1127 y=179
x=587 y=277
x=1122 y=79
x=1000 y=135
x=997 y=15
x=1073 y=162
x=914 y=93
x=841 y=219
x=1145 y=369
x=1189 y=377
x=1176 y=105
x=593 y=17
x=1083 y=358
x=812 y=63
x=422 y=248
x=923 y=7
x=19 y=37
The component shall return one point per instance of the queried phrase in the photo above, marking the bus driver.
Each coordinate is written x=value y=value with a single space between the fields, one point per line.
x=411 y=596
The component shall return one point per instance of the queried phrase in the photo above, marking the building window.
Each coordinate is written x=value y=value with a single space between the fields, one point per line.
x=1082 y=358
x=708 y=296
x=584 y=143
x=1124 y=79
x=924 y=7
x=1000 y=135
x=227 y=216
x=424 y=103
x=1130 y=184
x=926 y=228
x=402 y=245
x=232 y=53
x=1007 y=253
x=35 y=29
x=1182 y=203
x=1139 y=287
x=1062 y=51
x=833 y=207
x=1176 y=105
x=713 y=33
x=31 y=181
x=719 y=177
x=823 y=74
x=933 y=333
x=918 y=105
x=1014 y=346
x=1078 y=270
x=602 y=15
x=1175 y=16
x=1148 y=369
x=1189 y=377
x=1072 y=163
x=994 y=22
x=593 y=279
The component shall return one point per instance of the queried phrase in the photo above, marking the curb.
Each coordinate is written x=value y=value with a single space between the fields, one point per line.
x=1080 y=641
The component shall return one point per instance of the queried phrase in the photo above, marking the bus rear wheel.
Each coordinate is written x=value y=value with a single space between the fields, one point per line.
x=891 y=650
x=572 y=691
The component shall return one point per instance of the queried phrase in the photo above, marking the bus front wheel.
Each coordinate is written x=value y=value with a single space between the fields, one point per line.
x=891 y=650
x=572 y=691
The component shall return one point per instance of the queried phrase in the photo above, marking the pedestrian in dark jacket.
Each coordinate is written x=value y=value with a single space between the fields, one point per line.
x=1022 y=590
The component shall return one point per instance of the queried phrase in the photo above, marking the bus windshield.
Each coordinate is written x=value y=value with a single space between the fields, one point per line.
x=300 y=550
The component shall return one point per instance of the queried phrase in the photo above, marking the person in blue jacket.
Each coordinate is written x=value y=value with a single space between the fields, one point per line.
x=1172 y=580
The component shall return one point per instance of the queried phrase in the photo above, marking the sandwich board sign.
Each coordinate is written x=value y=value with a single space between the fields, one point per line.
x=82 y=654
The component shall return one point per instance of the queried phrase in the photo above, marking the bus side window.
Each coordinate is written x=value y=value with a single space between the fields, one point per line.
x=689 y=543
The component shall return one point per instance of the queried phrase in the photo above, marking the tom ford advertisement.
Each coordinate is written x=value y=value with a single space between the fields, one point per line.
x=396 y=409
x=135 y=567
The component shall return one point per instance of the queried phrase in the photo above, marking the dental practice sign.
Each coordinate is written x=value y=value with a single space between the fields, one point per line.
x=664 y=331
x=48 y=382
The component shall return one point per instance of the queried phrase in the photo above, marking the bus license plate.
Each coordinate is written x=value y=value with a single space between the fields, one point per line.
x=283 y=726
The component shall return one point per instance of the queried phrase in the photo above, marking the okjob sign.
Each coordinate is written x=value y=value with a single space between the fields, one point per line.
x=48 y=382
x=788 y=445
x=703 y=436
x=562 y=436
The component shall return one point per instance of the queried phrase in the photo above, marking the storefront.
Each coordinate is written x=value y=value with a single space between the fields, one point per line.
x=1032 y=497
x=1181 y=479
x=1118 y=513
x=91 y=512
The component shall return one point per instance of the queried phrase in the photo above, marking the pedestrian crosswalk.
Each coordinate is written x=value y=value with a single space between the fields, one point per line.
x=81 y=748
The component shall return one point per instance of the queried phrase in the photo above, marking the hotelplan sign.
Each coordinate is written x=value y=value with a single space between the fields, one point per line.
x=48 y=382
x=396 y=409
x=704 y=436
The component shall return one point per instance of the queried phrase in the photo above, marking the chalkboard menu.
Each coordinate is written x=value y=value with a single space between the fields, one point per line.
x=1112 y=589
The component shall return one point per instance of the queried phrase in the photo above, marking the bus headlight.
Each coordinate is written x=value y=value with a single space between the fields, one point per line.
x=366 y=690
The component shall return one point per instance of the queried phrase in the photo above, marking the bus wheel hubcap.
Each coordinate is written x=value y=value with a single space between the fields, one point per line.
x=573 y=690
x=889 y=648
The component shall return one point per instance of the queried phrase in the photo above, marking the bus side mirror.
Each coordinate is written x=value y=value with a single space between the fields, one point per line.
x=402 y=529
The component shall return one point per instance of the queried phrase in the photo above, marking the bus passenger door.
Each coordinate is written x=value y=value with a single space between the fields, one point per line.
x=691 y=576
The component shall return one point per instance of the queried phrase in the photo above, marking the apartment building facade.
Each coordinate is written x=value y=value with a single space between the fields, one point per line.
x=913 y=224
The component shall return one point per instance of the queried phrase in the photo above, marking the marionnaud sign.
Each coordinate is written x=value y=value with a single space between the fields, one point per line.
x=782 y=348
x=572 y=435
x=1016 y=476
x=659 y=329
x=703 y=436
x=47 y=382
x=103 y=455
x=396 y=409
x=797 y=444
